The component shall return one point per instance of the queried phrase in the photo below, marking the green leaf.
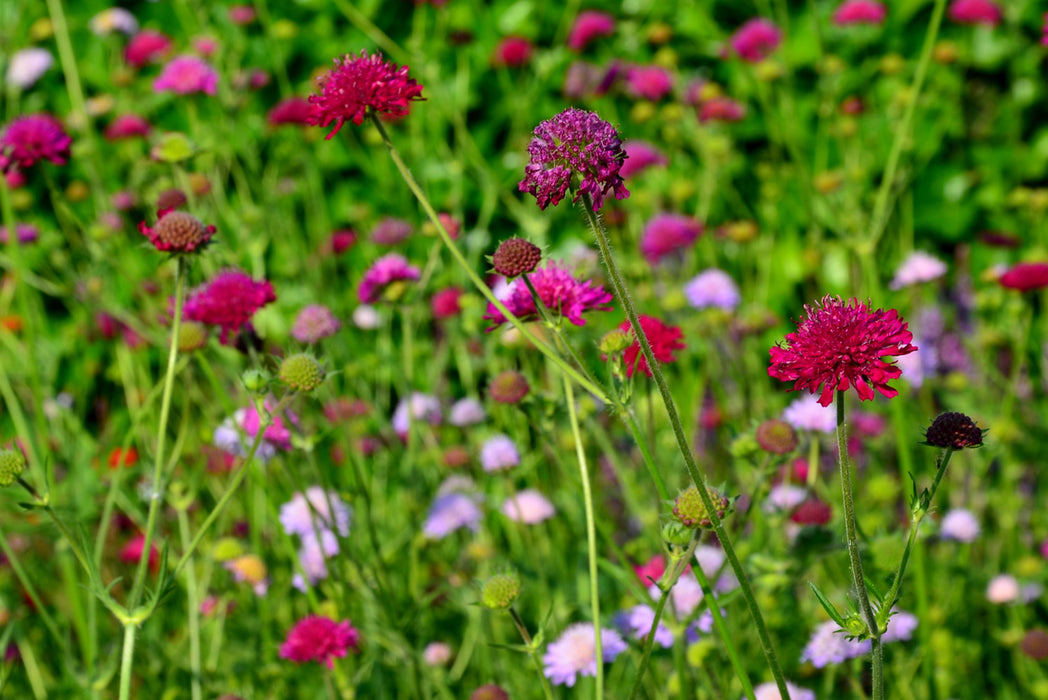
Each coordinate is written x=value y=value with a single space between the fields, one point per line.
x=830 y=609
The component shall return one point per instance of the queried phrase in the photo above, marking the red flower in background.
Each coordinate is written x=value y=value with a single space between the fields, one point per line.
x=228 y=301
x=664 y=340
x=319 y=639
x=34 y=137
x=1026 y=277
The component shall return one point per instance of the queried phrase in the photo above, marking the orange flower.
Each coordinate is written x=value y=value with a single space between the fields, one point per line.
x=117 y=457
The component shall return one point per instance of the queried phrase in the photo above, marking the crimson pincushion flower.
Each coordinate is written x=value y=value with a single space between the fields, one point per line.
x=560 y=292
x=319 y=639
x=838 y=345
x=384 y=272
x=358 y=84
x=34 y=137
x=664 y=340
x=228 y=301
x=177 y=232
x=575 y=149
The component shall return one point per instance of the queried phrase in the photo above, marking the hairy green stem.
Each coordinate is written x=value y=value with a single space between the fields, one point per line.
x=722 y=631
x=619 y=288
x=532 y=652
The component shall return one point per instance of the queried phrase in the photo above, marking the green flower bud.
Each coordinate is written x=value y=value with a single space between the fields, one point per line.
x=12 y=464
x=500 y=591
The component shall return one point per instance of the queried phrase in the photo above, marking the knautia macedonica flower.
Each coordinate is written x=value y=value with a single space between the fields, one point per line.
x=28 y=66
x=860 y=12
x=146 y=46
x=508 y=386
x=756 y=39
x=529 y=507
x=384 y=272
x=512 y=52
x=918 y=267
x=499 y=453
x=228 y=301
x=770 y=691
x=983 y=12
x=561 y=293
x=575 y=652
x=319 y=639
x=466 y=411
x=664 y=341
x=359 y=85
x=649 y=82
x=315 y=508
x=1025 y=277
x=177 y=232
x=959 y=525
x=721 y=109
x=636 y=622
x=589 y=25
x=829 y=645
x=456 y=506
x=953 y=430
x=34 y=137
x=126 y=126
x=840 y=345
x=640 y=156
x=575 y=149
x=314 y=323
x=293 y=110
x=668 y=235
x=712 y=289
x=515 y=257
x=186 y=75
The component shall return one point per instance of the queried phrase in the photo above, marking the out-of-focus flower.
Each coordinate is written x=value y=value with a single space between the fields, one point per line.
x=177 y=232
x=561 y=293
x=512 y=52
x=314 y=323
x=982 y=12
x=783 y=498
x=245 y=423
x=25 y=233
x=529 y=507
x=575 y=652
x=384 y=272
x=756 y=39
x=640 y=155
x=145 y=47
x=918 y=267
x=228 y=301
x=436 y=654
x=466 y=411
x=812 y=512
x=860 y=12
x=960 y=525
x=113 y=19
x=417 y=407
x=649 y=82
x=840 y=345
x=313 y=556
x=127 y=126
x=27 y=66
x=1003 y=588
x=32 y=138
x=367 y=317
x=664 y=341
x=340 y=241
x=445 y=303
x=1025 y=277
x=770 y=691
x=359 y=85
x=315 y=509
x=685 y=596
x=589 y=25
x=251 y=569
x=711 y=559
x=829 y=645
x=455 y=507
x=319 y=639
x=508 y=386
x=636 y=622
x=131 y=552
x=721 y=109
x=806 y=413
x=242 y=14
x=575 y=148
x=186 y=75
x=390 y=231
x=293 y=110
x=712 y=289
x=668 y=234
x=499 y=453
x=900 y=628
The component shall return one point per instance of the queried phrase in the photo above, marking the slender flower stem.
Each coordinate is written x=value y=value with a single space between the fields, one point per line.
x=161 y=438
x=645 y=451
x=532 y=652
x=542 y=347
x=193 y=611
x=591 y=535
x=851 y=533
x=722 y=631
x=879 y=218
x=619 y=288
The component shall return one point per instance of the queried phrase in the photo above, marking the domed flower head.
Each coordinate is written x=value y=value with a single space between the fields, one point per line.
x=589 y=25
x=918 y=267
x=829 y=645
x=293 y=110
x=667 y=234
x=127 y=126
x=1025 y=277
x=860 y=12
x=840 y=345
x=529 y=507
x=756 y=39
x=319 y=639
x=959 y=525
x=186 y=75
x=664 y=340
x=384 y=272
x=177 y=232
x=649 y=82
x=446 y=303
x=712 y=289
x=499 y=453
x=146 y=46
x=575 y=149
x=314 y=323
x=28 y=66
x=359 y=85
x=575 y=652
x=228 y=301
x=512 y=52
x=983 y=12
x=455 y=507
x=640 y=156
x=34 y=137
x=561 y=293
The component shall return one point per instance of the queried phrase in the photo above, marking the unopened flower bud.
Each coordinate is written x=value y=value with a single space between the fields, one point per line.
x=691 y=511
x=302 y=372
x=12 y=464
x=500 y=591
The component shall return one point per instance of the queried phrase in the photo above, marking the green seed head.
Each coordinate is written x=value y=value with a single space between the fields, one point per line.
x=12 y=464
x=191 y=336
x=691 y=512
x=500 y=591
x=301 y=372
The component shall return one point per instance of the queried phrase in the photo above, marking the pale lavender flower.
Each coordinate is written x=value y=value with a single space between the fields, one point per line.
x=685 y=596
x=636 y=622
x=529 y=507
x=712 y=289
x=27 y=66
x=313 y=556
x=770 y=691
x=901 y=625
x=917 y=268
x=420 y=407
x=783 y=498
x=1003 y=588
x=325 y=508
x=236 y=441
x=828 y=645
x=313 y=323
x=575 y=652
x=959 y=525
x=436 y=654
x=806 y=413
x=113 y=19
x=450 y=512
x=499 y=453
x=465 y=412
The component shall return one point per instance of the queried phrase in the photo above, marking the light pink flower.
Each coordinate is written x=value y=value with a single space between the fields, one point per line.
x=186 y=75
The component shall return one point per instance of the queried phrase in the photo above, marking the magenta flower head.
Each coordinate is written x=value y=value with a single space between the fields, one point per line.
x=177 y=232
x=589 y=25
x=575 y=149
x=860 y=12
x=561 y=293
x=384 y=272
x=293 y=110
x=664 y=341
x=1044 y=39
x=667 y=234
x=34 y=137
x=358 y=85
x=983 y=12
x=186 y=75
x=1025 y=277
x=649 y=82
x=146 y=46
x=512 y=52
x=755 y=40
x=640 y=156
x=839 y=345
x=228 y=301
x=127 y=126
x=319 y=639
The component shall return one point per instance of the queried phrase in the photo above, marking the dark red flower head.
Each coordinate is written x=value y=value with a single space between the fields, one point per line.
x=34 y=137
x=228 y=301
x=839 y=345
x=319 y=639
x=146 y=46
x=1026 y=277
x=358 y=84
x=127 y=126
x=293 y=110
x=664 y=340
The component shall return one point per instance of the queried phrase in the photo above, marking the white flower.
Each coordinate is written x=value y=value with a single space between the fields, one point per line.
x=28 y=66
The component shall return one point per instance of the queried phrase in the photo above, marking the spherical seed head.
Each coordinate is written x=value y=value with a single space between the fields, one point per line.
x=515 y=257
x=301 y=372
x=191 y=336
x=508 y=387
x=12 y=464
x=500 y=591
x=691 y=512
x=489 y=692
x=776 y=436
x=953 y=430
x=615 y=341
